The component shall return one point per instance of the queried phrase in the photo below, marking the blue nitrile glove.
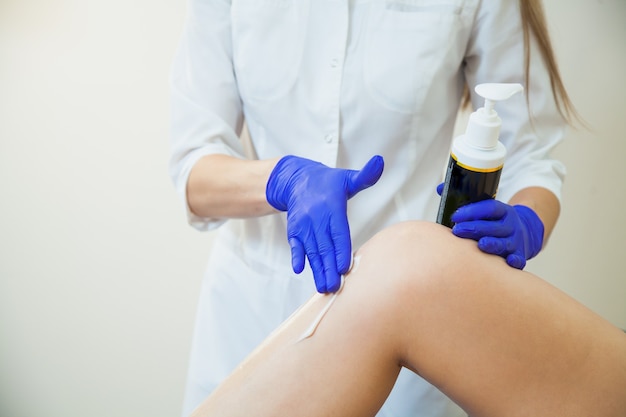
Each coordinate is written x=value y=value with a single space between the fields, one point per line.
x=315 y=198
x=512 y=232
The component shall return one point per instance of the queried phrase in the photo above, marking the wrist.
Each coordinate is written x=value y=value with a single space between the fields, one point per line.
x=278 y=181
x=535 y=230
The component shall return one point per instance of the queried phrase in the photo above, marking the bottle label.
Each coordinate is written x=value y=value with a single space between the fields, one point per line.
x=464 y=185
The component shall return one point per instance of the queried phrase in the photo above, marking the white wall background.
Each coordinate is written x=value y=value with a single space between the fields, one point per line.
x=99 y=273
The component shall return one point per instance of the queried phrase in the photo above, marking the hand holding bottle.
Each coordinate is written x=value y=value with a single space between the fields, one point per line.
x=512 y=232
x=315 y=197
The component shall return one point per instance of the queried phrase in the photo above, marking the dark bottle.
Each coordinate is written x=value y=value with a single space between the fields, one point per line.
x=477 y=157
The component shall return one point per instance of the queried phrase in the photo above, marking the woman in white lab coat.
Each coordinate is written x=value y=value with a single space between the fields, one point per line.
x=322 y=87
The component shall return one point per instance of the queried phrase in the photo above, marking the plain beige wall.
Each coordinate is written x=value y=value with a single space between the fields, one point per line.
x=99 y=273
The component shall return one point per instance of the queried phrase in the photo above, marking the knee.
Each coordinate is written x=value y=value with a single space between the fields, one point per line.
x=411 y=247
x=419 y=259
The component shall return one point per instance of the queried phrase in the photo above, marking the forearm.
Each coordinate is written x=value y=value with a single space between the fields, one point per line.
x=221 y=186
x=542 y=202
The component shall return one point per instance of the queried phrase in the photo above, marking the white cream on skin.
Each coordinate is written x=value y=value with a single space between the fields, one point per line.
x=316 y=322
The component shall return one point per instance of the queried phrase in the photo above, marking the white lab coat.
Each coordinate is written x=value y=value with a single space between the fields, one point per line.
x=338 y=81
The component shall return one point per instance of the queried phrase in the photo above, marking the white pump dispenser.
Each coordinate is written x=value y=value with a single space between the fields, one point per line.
x=483 y=128
x=476 y=157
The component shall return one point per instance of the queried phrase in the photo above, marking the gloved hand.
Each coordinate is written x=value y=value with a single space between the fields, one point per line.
x=315 y=198
x=512 y=232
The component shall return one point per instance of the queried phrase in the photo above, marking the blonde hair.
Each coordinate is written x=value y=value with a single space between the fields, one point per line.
x=534 y=25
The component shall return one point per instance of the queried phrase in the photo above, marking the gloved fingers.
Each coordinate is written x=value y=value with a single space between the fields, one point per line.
x=315 y=260
x=340 y=234
x=440 y=188
x=327 y=254
x=515 y=260
x=497 y=246
x=489 y=209
x=481 y=228
x=297 y=255
x=370 y=174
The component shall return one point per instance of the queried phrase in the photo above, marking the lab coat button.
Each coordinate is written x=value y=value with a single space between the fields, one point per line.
x=329 y=138
x=334 y=63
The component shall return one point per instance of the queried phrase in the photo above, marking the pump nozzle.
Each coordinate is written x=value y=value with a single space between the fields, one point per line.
x=493 y=92
x=483 y=128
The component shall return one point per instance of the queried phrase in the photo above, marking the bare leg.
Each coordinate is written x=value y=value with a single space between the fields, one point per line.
x=498 y=341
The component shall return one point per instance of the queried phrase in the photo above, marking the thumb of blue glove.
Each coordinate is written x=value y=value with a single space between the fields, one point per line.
x=315 y=197
x=512 y=232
